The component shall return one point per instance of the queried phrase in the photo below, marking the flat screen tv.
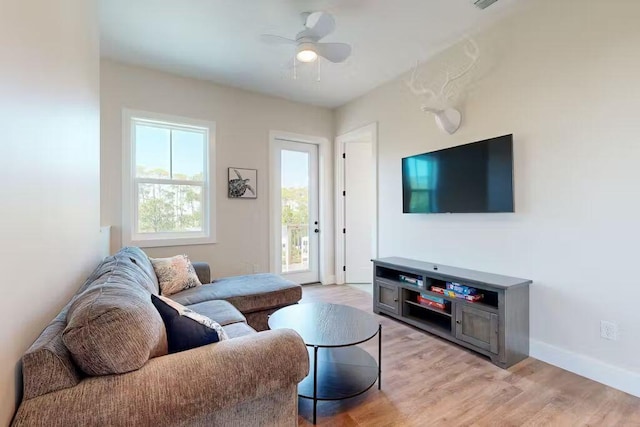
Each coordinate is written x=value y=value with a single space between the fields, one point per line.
x=470 y=178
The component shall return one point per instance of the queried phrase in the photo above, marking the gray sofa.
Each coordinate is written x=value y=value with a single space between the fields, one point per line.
x=248 y=380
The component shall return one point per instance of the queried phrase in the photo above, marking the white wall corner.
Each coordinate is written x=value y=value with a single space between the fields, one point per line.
x=329 y=280
x=596 y=370
x=105 y=240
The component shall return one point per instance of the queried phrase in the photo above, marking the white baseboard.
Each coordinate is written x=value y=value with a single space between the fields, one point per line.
x=329 y=280
x=585 y=366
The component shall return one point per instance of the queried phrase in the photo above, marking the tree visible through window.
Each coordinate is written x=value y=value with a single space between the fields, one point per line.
x=170 y=180
x=294 y=169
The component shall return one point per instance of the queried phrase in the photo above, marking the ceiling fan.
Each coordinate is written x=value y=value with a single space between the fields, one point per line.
x=317 y=26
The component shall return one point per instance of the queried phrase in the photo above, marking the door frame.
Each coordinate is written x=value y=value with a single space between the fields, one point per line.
x=371 y=131
x=324 y=206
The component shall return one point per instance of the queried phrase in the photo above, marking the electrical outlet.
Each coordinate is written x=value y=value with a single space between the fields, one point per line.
x=608 y=330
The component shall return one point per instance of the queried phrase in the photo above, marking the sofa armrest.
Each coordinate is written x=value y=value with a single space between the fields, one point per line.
x=178 y=387
x=203 y=271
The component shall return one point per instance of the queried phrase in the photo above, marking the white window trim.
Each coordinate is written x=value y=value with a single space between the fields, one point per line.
x=129 y=193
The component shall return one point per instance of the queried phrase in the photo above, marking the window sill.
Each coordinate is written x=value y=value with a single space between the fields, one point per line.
x=160 y=243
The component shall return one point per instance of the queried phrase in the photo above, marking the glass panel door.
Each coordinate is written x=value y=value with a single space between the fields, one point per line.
x=295 y=198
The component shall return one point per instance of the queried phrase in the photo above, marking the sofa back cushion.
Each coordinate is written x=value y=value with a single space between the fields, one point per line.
x=130 y=264
x=112 y=328
x=143 y=264
x=128 y=271
x=47 y=365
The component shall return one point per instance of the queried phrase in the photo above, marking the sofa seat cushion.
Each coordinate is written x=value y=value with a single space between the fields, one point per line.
x=113 y=328
x=219 y=311
x=255 y=292
x=236 y=330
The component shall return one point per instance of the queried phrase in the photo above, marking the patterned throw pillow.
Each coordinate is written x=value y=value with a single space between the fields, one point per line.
x=175 y=274
x=186 y=329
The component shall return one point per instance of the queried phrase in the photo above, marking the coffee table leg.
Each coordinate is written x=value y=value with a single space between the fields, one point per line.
x=315 y=381
x=379 y=356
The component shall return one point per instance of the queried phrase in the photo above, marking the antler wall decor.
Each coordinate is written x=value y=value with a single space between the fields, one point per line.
x=442 y=102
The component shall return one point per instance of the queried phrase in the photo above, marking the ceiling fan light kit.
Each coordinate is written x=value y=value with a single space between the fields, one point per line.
x=306 y=53
x=308 y=47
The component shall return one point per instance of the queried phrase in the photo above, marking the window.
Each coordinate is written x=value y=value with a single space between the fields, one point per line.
x=167 y=189
x=423 y=180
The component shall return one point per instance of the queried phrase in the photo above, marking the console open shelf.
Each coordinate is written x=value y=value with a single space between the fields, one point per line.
x=426 y=307
x=496 y=326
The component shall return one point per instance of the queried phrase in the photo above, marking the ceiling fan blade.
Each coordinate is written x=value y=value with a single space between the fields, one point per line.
x=272 y=39
x=334 y=52
x=319 y=25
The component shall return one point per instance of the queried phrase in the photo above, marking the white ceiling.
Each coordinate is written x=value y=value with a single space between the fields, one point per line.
x=219 y=40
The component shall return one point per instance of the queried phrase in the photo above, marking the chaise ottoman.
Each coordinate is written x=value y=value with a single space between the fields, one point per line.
x=255 y=295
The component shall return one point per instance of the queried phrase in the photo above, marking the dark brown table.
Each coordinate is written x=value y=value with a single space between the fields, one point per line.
x=339 y=369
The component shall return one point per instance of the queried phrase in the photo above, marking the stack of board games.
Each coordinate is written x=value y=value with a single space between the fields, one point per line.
x=411 y=280
x=461 y=289
x=470 y=295
x=432 y=301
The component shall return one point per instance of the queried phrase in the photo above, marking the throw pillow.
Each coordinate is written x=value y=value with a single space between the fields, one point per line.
x=186 y=329
x=175 y=274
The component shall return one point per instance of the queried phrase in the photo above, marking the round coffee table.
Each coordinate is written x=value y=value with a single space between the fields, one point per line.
x=339 y=370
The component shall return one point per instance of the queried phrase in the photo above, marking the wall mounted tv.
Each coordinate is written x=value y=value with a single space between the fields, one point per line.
x=470 y=178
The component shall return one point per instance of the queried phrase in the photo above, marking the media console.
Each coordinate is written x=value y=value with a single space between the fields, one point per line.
x=496 y=326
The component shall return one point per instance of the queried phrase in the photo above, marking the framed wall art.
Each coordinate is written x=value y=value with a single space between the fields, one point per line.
x=243 y=183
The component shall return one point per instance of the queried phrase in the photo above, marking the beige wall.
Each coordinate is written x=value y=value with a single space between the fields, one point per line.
x=565 y=82
x=49 y=169
x=243 y=121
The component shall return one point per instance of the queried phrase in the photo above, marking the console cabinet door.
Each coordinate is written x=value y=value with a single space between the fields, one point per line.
x=387 y=297
x=477 y=327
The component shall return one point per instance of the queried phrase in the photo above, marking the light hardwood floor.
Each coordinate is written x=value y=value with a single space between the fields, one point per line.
x=427 y=381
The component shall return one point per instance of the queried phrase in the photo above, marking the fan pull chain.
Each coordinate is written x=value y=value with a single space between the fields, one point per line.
x=295 y=71
x=318 y=73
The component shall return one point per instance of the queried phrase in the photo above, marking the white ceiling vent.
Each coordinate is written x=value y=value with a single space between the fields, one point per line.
x=483 y=4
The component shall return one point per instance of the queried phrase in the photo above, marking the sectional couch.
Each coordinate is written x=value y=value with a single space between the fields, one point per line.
x=103 y=360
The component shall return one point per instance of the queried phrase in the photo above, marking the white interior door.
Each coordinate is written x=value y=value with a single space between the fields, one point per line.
x=359 y=211
x=294 y=200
